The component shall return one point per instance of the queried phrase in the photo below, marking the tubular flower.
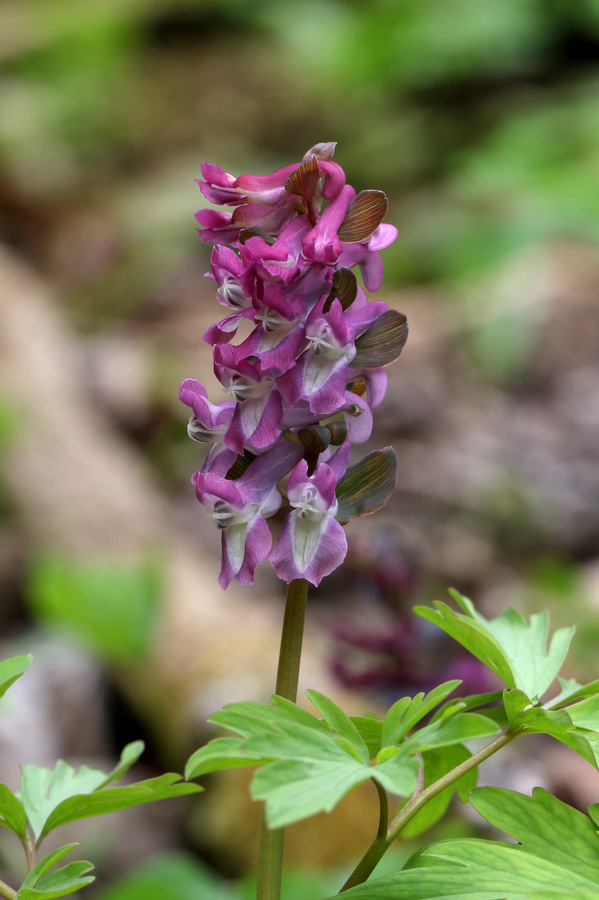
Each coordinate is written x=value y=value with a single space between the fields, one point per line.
x=307 y=372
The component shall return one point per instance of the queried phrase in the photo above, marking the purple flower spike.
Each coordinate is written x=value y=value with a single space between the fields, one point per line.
x=312 y=543
x=299 y=352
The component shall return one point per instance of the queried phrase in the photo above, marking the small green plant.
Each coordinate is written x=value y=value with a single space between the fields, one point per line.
x=49 y=798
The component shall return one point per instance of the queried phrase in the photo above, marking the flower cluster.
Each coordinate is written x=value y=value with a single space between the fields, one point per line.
x=301 y=352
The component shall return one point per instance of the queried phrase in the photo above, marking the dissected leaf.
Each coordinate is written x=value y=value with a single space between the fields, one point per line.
x=107 y=800
x=295 y=789
x=250 y=717
x=11 y=669
x=340 y=723
x=406 y=713
x=475 y=870
x=367 y=485
x=572 y=691
x=370 y=728
x=524 y=716
x=54 y=797
x=42 y=790
x=512 y=648
x=455 y=730
x=543 y=826
x=39 y=885
x=397 y=773
x=129 y=757
x=219 y=754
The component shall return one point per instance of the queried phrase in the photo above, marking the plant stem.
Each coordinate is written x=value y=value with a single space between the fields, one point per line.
x=380 y=845
x=7 y=892
x=270 y=860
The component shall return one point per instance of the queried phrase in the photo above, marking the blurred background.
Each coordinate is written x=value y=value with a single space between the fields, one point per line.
x=480 y=120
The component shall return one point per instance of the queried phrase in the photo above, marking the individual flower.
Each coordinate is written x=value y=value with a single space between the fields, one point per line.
x=321 y=371
x=208 y=420
x=258 y=406
x=311 y=543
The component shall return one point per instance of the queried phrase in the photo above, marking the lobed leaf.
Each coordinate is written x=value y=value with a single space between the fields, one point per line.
x=512 y=648
x=340 y=723
x=39 y=885
x=107 y=800
x=525 y=717
x=295 y=789
x=407 y=712
x=219 y=754
x=475 y=870
x=543 y=826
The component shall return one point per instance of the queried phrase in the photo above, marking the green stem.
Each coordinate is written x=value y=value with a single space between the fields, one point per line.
x=380 y=845
x=270 y=860
x=7 y=892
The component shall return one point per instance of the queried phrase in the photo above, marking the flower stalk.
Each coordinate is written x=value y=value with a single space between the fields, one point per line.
x=270 y=859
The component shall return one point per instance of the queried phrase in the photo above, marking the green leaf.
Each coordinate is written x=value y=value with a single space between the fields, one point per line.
x=54 y=797
x=48 y=862
x=397 y=773
x=516 y=651
x=364 y=215
x=295 y=789
x=438 y=763
x=12 y=814
x=98 y=803
x=250 y=717
x=340 y=723
x=39 y=885
x=382 y=342
x=474 y=870
x=42 y=790
x=456 y=730
x=543 y=826
x=406 y=713
x=525 y=717
x=218 y=754
x=367 y=485
x=129 y=756
x=370 y=728
x=571 y=691
x=474 y=701
x=11 y=669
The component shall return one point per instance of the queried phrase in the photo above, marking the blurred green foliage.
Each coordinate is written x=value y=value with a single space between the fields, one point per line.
x=478 y=119
x=112 y=607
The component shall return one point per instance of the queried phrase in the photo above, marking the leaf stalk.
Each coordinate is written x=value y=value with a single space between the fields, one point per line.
x=379 y=846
